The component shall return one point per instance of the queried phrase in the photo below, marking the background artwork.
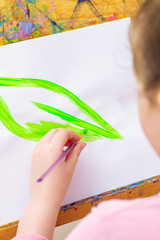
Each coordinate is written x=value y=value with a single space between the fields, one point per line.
x=27 y=19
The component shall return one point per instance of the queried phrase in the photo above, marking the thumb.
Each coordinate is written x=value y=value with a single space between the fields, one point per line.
x=73 y=156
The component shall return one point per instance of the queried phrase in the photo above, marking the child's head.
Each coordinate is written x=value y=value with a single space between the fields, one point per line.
x=145 y=44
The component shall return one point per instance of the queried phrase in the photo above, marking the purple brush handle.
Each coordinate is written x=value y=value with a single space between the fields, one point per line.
x=63 y=155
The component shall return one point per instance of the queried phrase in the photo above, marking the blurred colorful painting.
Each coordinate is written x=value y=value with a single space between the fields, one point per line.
x=27 y=19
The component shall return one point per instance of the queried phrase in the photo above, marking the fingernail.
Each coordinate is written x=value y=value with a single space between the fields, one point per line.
x=83 y=145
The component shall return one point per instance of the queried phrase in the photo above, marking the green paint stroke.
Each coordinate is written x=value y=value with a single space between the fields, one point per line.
x=76 y=121
x=37 y=131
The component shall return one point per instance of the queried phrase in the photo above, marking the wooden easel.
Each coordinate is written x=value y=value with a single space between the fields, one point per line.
x=77 y=210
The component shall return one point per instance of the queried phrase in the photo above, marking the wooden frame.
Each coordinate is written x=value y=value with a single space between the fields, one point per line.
x=80 y=209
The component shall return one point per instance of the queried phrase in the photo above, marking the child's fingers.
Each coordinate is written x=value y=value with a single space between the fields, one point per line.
x=48 y=136
x=73 y=156
x=62 y=136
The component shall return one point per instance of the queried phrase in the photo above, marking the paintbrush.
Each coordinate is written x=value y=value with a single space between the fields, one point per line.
x=61 y=158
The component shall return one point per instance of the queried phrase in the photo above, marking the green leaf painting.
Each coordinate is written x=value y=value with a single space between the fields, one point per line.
x=35 y=132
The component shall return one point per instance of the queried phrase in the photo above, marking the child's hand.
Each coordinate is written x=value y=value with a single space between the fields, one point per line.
x=41 y=212
x=54 y=187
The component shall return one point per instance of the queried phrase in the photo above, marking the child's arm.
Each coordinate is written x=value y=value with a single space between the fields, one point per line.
x=41 y=212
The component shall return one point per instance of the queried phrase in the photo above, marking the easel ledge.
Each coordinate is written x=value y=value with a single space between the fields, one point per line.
x=77 y=210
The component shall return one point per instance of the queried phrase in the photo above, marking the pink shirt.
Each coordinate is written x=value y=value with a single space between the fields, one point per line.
x=117 y=220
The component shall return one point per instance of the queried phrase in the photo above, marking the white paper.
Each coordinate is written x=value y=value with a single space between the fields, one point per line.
x=95 y=63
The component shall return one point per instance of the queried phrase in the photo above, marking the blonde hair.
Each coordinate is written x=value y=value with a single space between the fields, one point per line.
x=145 y=44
